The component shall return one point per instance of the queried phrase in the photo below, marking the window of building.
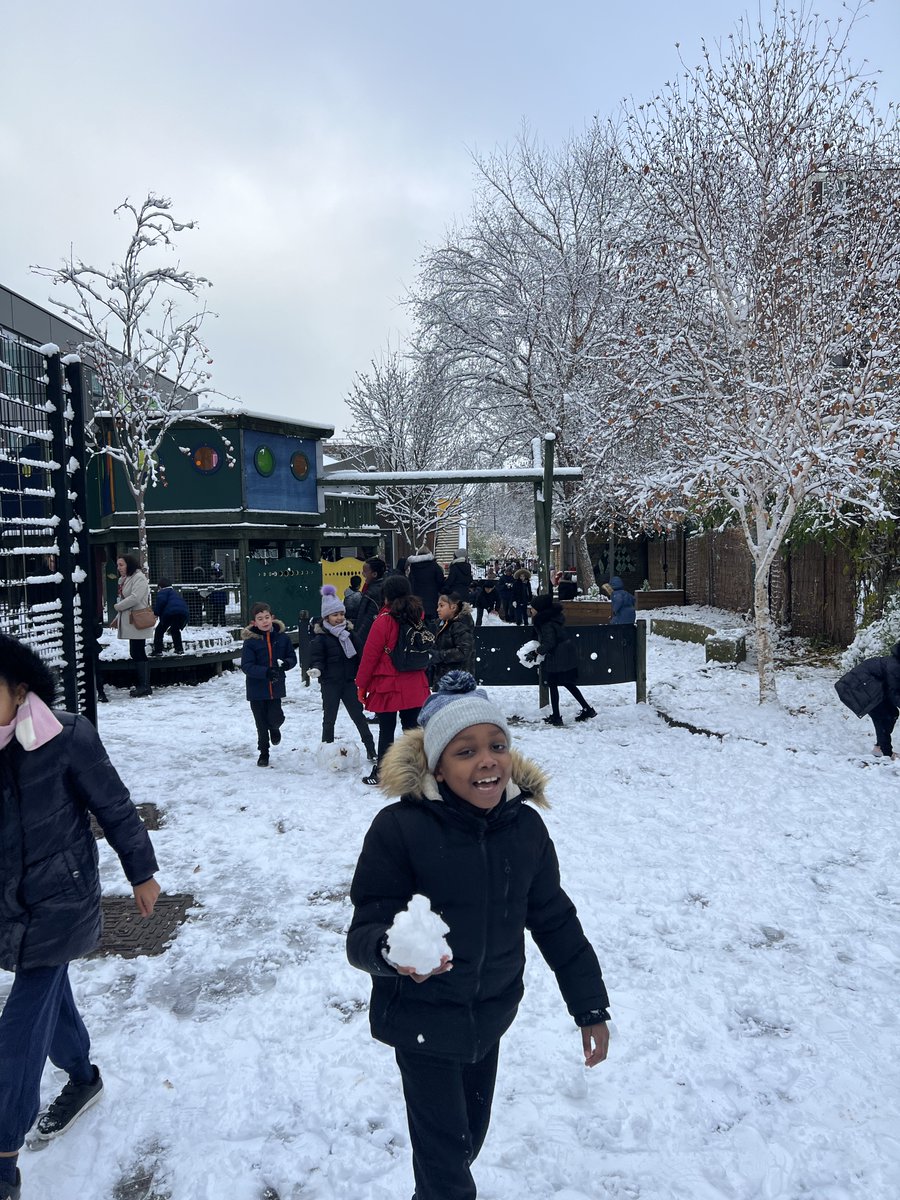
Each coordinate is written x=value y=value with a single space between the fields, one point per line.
x=264 y=461
x=299 y=465
x=206 y=459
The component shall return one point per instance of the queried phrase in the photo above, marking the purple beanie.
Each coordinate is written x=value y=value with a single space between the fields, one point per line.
x=330 y=602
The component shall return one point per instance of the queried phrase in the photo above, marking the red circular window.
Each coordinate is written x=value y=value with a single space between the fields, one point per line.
x=299 y=465
x=206 y=460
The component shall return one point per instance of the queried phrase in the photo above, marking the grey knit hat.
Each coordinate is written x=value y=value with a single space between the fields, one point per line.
x=458 y=703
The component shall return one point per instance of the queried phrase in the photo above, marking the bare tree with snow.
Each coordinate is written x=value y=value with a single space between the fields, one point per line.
x=147 y=355
x=519 y=303
x=765 y=342
x=404 y=412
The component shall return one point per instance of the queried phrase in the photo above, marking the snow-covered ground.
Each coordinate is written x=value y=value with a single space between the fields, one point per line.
x=742 y=891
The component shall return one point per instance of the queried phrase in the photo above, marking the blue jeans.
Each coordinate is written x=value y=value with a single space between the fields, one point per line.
x=39 y=1021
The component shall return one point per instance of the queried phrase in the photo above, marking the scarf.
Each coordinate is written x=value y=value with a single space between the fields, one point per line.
x=343 y=633
x=33 y=726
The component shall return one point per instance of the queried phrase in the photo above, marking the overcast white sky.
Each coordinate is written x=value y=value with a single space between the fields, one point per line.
x=320 y=147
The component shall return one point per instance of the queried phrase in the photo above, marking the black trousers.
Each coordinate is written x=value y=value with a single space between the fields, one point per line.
x=448 y=1108
x=335 y=694
x=387 y=724
x=173 y=625
x=137 y=649
x=268 y=715
x=571 y=689
x=884 y=718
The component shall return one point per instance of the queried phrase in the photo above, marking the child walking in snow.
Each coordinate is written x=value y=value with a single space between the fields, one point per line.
x=266 y=654
x=464 y=834
x=560 y=657
x=334 y=652
x=54 y=773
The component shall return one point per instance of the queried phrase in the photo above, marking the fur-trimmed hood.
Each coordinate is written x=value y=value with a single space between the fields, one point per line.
x=523 y=574
x=404 y=772
x=465 y=610
x=250 y=631
x=419 y=558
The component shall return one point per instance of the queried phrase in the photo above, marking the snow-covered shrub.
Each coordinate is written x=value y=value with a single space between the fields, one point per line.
x=878 y=639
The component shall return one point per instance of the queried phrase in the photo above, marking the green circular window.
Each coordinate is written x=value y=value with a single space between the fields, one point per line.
x=299 y=465
x=264 y=461
x=206 y=460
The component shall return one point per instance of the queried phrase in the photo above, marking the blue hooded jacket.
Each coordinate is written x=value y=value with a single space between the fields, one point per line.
x=622 y=603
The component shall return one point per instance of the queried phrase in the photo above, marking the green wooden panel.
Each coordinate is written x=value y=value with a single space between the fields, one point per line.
x=288 y=585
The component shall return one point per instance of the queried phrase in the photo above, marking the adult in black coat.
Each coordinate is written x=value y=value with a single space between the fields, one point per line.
x=560 y=657
x=54 y=774
x=506 y=590
x=872 y=688
x=374 y=571
x=459 y=576
x=486 y=863
x=522 y=596
x=454 y=641
x=567 y=588
x=426 y=580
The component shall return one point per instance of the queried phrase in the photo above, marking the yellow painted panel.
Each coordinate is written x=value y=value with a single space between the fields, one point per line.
x=338 y=573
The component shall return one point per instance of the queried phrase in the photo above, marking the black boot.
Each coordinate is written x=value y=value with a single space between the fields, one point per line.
x=143 y=684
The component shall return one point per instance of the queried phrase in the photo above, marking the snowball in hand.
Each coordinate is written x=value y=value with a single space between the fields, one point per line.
x=529 y=648
x=416 y=938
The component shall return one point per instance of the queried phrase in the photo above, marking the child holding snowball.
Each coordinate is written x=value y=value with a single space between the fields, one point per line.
x=465 y=834
x=334 y=652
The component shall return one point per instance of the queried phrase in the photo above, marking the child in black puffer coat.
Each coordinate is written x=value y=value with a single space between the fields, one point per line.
x=454 y=642
x=54 y=775
x=467 y=835
x=333 y=658
x=560 y=665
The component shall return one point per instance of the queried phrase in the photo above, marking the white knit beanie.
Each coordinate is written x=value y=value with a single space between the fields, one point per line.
x=458 y=703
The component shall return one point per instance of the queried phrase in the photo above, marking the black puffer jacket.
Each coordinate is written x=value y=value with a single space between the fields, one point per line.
x=369 y=608
x=454 y=645
x=426 y=580
x=870 y=682
x=49 y=882
x=459 y=578
x=489 y=878
x=560 y=665
x=327 y=654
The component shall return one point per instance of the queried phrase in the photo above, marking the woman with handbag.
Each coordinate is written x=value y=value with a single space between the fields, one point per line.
x=380 y=686
x=135 y=619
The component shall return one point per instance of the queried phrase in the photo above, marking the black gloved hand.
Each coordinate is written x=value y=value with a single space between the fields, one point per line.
x=531 y=656
x=273 y=675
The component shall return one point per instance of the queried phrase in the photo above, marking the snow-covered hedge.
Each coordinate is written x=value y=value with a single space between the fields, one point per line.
x=875 y=640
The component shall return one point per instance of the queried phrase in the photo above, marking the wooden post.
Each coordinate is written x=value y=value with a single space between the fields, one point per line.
x=640 y=666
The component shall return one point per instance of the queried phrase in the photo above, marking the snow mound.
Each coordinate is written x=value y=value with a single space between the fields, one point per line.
x=338 y=756
x=416 y=938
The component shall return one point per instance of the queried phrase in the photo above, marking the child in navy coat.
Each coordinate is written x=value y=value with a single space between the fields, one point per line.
x=172 y=614
x=333 y=658
x=266 y=655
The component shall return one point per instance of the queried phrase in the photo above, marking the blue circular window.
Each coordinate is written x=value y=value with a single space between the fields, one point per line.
x=264 y=461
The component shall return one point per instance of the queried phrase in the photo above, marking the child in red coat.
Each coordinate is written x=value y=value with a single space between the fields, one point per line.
x=381 y=688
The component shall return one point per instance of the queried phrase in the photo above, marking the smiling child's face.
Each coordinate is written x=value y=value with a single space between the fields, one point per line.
x=476 y=765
